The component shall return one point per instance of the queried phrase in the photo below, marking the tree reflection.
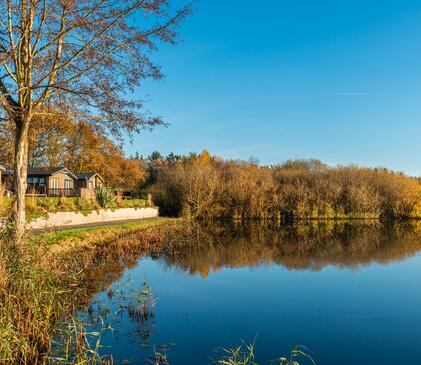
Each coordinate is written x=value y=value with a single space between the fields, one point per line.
x=301 y=246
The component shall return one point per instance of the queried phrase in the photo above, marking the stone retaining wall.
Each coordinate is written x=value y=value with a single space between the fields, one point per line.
x=63 y=219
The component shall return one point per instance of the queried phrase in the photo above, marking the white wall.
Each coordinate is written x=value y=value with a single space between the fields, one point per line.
x=63 y=219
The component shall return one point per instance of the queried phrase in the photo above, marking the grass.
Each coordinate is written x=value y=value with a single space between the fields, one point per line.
x=56 y=273
x=84 y=232
x=133 y=203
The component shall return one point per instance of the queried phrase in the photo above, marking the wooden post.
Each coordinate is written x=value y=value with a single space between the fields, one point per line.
x=150 y=200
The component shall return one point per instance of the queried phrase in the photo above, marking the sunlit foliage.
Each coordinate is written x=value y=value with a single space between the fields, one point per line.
x=202 y=186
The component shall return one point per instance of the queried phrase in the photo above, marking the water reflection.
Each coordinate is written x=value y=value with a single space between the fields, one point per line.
x=327 y=310
x=302 y=246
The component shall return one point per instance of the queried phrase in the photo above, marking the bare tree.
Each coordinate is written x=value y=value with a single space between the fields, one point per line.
x=87 y=55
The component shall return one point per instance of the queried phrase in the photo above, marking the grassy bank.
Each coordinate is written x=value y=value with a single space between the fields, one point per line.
x=57 y=272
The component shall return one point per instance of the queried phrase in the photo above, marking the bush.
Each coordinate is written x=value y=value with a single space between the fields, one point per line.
x=105 y=197
x=50 y=204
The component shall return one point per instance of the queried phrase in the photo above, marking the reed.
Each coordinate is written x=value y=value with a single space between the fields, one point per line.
x=244 y=354
x=238 y=355
x=80 y=346
x=159 y=359
x=143 y=307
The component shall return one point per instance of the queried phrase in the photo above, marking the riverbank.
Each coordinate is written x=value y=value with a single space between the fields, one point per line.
x=57 y=272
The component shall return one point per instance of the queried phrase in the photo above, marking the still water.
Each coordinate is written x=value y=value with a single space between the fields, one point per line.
x=349 y=292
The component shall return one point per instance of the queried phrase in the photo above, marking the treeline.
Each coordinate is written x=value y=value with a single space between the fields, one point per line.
x=206 y=187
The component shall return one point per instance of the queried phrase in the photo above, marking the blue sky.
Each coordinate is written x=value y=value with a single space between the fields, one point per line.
x=335 y=80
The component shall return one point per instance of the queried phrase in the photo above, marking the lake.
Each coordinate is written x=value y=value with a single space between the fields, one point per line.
x=348 y=291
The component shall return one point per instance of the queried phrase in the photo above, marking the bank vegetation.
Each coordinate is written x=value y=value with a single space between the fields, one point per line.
x=56 y=274
x=206 y=187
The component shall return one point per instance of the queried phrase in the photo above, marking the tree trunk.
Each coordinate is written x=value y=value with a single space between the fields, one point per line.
x=20 y=180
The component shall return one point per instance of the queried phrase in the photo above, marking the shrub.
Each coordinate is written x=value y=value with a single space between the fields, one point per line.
x=84 y=205
x=105 y=196
x=203 y=188
x=48 y=203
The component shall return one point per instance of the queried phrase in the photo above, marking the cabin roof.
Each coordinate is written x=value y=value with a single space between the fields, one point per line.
x=50 y=171
x=40 y=171
x=87 y=175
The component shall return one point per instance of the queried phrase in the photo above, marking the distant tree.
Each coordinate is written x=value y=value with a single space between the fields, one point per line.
x=123 y=174
x=254 y=160
x=204 y=158
x=155 y=156
x=172 y=157
x=87 y=56
x=86 y=150
x=7 y=142
x=45 y=139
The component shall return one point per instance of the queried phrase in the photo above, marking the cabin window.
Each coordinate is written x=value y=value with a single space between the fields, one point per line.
x=68 y=184
x=91 y=185
x=35 y=181
x=29 y=180
x=54 y=183
x=41 y=181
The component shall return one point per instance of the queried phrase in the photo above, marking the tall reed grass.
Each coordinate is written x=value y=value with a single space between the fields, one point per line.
x=244 y=354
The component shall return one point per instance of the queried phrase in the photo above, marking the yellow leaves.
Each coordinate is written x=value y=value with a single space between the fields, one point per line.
x=203 y=159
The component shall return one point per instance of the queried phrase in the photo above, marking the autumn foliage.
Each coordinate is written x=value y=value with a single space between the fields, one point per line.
x=201 y=186
x=59 y=140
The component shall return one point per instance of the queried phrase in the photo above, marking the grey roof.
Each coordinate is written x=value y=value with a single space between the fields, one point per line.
x=50 y=171
x=44 y=171
x=40 y=171
x=87 y=175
